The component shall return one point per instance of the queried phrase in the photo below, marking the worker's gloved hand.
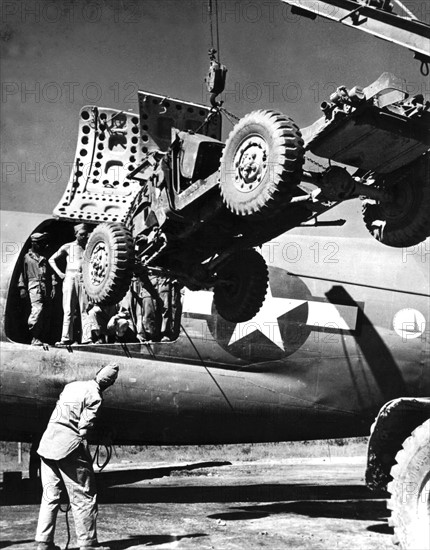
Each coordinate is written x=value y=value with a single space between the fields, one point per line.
x=23 y=294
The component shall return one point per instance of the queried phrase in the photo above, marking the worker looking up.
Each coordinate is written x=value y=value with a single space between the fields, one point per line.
x=66 y=462
x=37 y=282
x=74 y=296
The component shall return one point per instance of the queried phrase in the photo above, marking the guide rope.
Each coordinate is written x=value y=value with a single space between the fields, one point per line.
x=206 y=368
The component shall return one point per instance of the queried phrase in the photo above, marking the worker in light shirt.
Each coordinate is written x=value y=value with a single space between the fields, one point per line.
x=74 y=297
x=66 y=461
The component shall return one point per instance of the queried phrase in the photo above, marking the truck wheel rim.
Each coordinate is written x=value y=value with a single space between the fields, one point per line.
x=250 y=164
x=99 y=262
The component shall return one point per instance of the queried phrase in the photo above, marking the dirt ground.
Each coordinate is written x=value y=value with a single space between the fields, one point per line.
x=294 y=503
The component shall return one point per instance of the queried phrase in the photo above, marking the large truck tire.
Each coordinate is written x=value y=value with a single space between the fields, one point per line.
x=108 y=263
x=261 y=164
x=244 y=279
x=410 y=491
x=404 y=221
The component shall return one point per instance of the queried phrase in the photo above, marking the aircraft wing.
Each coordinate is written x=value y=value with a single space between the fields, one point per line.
x=407 y=32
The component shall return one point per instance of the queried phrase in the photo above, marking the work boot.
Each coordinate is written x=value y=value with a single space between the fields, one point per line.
x=36 y=342
x=64 y=343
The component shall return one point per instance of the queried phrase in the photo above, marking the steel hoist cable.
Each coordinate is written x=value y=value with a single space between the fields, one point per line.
x=215 y=80
x=211 y=11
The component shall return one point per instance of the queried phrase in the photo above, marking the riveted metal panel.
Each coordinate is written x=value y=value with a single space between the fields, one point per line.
x=108 y=149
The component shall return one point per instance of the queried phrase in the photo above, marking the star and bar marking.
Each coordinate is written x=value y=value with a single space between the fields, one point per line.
x=322 y=315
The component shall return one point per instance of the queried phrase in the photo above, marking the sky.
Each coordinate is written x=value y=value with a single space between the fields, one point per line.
x=57 y=56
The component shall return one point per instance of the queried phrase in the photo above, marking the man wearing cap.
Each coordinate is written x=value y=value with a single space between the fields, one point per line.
x=74 y=296
x=66 y=462
x=37 y=282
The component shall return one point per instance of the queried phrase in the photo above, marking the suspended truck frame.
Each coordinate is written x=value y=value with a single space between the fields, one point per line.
x=180 y=201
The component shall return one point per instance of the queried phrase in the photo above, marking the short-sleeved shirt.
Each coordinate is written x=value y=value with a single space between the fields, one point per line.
x=35 y=271
x=74 y=413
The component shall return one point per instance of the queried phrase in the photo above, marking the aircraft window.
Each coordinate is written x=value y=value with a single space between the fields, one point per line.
x=21 y=323
x=44 y=306
x=149 y=312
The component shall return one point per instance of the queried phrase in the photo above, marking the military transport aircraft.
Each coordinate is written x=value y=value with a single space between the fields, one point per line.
x=342 y=338
x=344 y=329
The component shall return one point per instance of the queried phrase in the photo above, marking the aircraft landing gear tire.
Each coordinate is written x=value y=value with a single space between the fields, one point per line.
x=405 y=220
x=410 y=491
x=108 y=263
x=261 y=164
x=241 y=293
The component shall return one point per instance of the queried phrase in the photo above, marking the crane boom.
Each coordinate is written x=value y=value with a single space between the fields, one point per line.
x=382 y=23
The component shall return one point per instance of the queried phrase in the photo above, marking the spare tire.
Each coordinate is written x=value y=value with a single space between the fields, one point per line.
x=261 y=164
x=404 y=220
x=409 y=491
x=243 y=280
x=108 y=262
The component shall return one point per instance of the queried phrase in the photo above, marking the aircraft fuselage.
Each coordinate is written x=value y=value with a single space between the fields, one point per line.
x=344 y=329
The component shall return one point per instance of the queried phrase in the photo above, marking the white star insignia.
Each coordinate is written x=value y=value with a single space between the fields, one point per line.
x=266 y=320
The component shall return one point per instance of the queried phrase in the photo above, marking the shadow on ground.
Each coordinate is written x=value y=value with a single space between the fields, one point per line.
x=314 y=500
x=341 y=501
x=238 y=501
x=125 y=477
x=353 y=509
x=221 y=492
x=148 y=540
x=26 y=491
x=122 y=544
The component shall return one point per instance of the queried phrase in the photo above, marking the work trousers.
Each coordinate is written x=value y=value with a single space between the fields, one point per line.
x=97 y=322
x=171 y=308
x=146 y=304
x=38 y=320
x=148 y=319
x=73 y=298
x=74 y=473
